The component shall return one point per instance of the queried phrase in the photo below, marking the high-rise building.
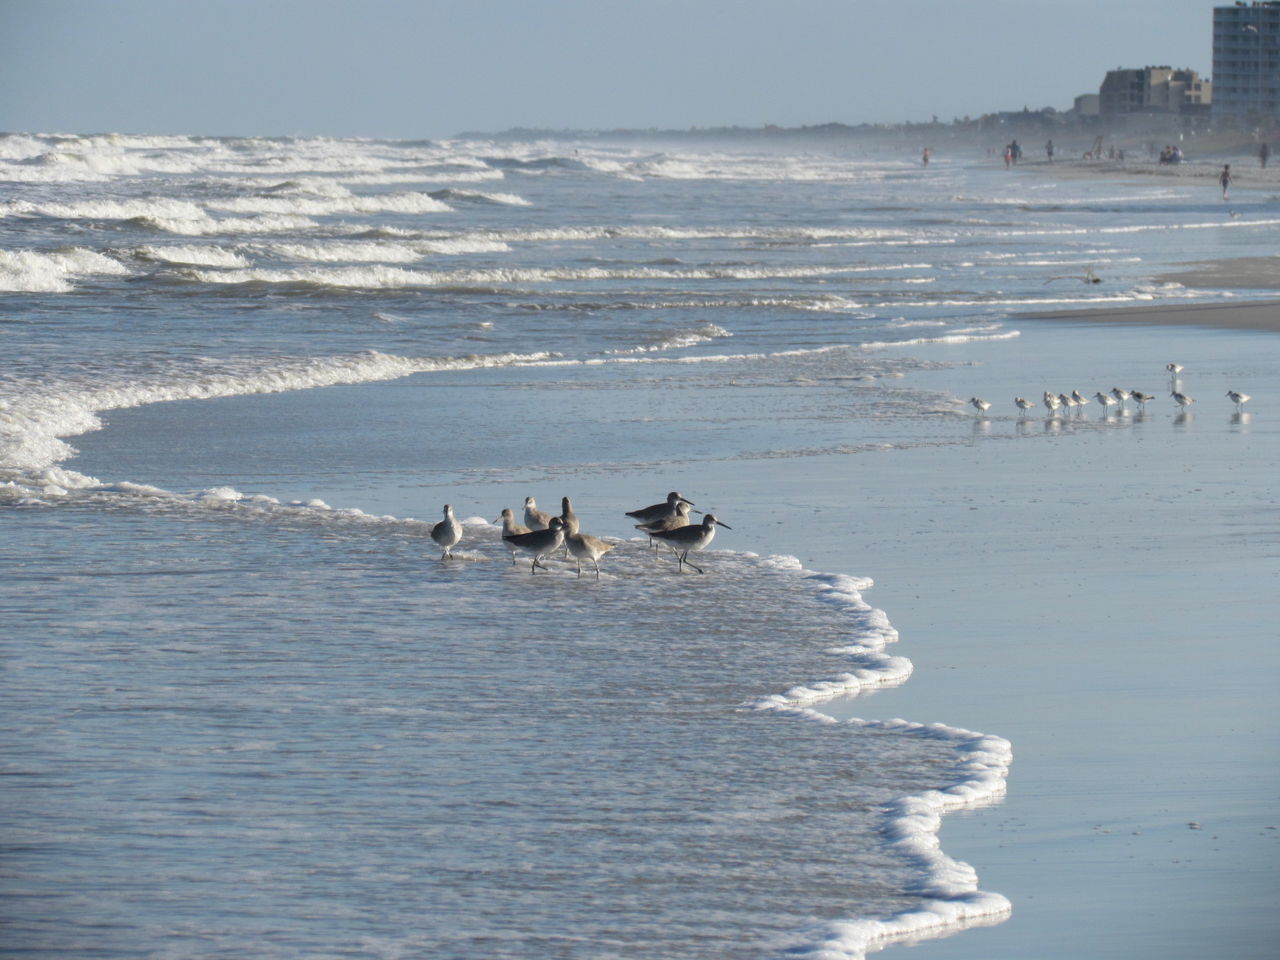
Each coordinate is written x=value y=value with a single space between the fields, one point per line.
x=1246 y=62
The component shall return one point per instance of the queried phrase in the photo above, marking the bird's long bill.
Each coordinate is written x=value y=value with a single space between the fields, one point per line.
x=689 y=502
x=725 y=525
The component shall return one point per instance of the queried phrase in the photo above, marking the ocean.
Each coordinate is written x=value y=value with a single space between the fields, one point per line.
x=250 y=710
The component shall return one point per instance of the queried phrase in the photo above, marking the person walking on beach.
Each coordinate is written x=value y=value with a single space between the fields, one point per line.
x=1224 y=178
x=1264 y=152
x=1048 y=148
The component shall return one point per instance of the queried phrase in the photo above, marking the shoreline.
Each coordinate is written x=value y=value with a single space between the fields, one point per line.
x=1259 y=315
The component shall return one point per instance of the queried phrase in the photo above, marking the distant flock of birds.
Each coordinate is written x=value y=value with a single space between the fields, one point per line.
x=542 y=534
x=1117 y=397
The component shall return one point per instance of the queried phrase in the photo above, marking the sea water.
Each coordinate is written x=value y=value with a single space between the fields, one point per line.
x=250 y=710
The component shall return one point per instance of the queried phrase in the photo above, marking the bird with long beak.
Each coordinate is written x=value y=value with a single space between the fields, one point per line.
x=539 y=543
x=690 y=538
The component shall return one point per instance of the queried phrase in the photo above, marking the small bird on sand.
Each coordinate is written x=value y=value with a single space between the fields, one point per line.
x=509 y=527
x=1181 y=399
x=447 y=532
x=1023 y=405
x=1140 y=398
x=1079 y=398
x=1106 y=400
x=534 y=518
x=539 y=543
x=1174 y=368
x=659 y=511
x=982 y=406
x=1239 y=399
x=1051 y=403
x=692 y=537
x=583 y=546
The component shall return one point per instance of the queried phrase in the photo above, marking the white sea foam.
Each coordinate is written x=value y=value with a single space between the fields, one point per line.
x=333 y=205
x=192 y=254
x=34 y=417
x=53 y=271
x=945 y=339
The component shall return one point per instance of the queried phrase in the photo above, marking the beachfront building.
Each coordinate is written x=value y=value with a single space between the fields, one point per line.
x=1154 y=90
x=1246 y=63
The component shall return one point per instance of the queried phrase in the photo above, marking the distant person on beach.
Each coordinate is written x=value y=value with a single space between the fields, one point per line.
x=1264 y=152
x=1224 y=178
x=925 y=157
x=1008 y=156
x=1048 y=148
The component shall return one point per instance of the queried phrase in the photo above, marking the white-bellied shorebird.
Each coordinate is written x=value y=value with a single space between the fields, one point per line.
x=691 y=537
x=1239 y=399
x=1051 y=403
x=1079 y=398
x=447 y=532
x=534 y=518
x=583 y=546
x=982 y=406
x=1140 y=398
x=1174 y=368
x=1181 y=399
x=539 y=543
x=1022 y=404
x=659 y=511
x=510 y=527
x=1106 y=400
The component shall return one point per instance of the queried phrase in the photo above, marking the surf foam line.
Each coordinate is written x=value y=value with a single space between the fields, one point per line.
x=948 y=888
x=35 y=416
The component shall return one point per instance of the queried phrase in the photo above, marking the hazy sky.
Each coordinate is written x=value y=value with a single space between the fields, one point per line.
x=433 y=68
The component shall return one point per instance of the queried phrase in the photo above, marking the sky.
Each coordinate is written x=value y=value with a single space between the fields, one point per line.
x=436 y=68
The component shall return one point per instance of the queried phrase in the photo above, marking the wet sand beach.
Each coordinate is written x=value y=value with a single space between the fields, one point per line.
x=1106 y=599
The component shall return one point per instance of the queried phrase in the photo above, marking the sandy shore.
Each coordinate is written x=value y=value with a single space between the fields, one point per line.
x=1254 y=315
x=1246 y=171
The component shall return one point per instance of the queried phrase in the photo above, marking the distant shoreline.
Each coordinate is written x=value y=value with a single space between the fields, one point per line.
x=1263 y=315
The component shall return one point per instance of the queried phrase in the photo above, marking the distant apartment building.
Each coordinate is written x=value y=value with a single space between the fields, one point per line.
x=1154 y=90
x=1246 y=62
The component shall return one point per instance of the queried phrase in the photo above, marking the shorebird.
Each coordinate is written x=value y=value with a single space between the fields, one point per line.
x=447 y=532
x=534 y=518
x=1140 y=398
x=510 y=527
x=1121 y=395
x=1079 y=398
x=568 y=517
x=1023 y=405
x=539 y=543
x=1239 y=399
x=1182 y=400
x=692 y=537
x=1067 y=402
x=583 y=546
x=982 y=406
x=680 y=519
x=659 y=511
x=1106 y=400
x=1089 y=277
x=1174 y=368
x=1051 y=402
